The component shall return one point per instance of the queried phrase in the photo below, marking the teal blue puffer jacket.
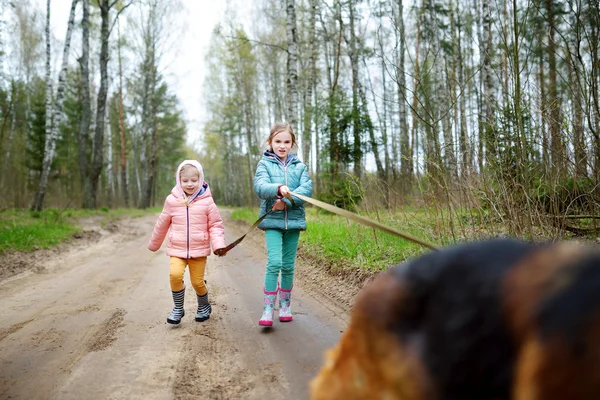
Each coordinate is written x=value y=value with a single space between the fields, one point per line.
x=271 y=173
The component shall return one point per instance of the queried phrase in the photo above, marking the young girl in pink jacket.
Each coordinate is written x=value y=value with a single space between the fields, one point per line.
x=193 y=223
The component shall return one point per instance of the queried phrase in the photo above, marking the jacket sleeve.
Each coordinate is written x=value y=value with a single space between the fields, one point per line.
x=216 y=229
x=160 y=228
x=305 y=188
x=263 y=187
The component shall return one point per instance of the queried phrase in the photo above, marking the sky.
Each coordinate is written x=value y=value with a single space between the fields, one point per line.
x=186 y=70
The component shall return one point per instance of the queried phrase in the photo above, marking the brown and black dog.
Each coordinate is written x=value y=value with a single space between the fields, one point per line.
x=492 y=320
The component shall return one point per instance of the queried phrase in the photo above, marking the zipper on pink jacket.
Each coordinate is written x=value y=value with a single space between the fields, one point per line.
x=187 y=217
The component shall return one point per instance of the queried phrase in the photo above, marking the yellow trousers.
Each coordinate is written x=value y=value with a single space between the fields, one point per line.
x=197 y=267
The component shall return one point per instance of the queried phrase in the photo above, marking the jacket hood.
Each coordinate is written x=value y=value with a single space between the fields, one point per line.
x=179 y=189
x=270 y=156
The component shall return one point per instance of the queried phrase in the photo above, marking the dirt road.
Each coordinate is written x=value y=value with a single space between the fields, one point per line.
x=91 y=324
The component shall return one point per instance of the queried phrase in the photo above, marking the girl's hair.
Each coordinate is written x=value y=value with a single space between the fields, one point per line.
x=186 y=167
x=279 y=127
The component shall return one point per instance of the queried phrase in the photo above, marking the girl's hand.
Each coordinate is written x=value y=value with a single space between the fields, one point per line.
x=279 y=205
x=284 y=191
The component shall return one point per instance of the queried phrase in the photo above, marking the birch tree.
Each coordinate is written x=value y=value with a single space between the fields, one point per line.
x=98 y=139
x=310 y=86
x=406 y=168
x=124 y=181
x=53 y=116
x=292 y=63
x=84 y=127
x=356 y=128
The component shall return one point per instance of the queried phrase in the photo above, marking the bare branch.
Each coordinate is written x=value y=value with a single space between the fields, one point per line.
x=118 y=13
x=275 y=46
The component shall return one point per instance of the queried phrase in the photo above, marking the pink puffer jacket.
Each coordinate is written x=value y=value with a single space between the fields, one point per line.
x=191 y=229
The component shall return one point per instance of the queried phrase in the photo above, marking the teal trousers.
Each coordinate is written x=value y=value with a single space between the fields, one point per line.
x=281 y=257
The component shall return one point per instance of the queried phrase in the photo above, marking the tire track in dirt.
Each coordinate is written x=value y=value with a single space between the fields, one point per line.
x=107 y=333
x=4 y=332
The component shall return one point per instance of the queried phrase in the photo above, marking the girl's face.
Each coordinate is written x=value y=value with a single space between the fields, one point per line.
x=190 y=179
x=282 y=144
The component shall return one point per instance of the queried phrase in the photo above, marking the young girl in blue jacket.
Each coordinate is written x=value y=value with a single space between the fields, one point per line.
x=279 y=175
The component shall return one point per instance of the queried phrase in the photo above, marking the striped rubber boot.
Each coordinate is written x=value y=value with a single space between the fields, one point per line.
x=178 y=312
x=204 y=308
x=285 y=308
x=267 y=316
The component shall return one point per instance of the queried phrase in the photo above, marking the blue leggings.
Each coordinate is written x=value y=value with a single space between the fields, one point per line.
x=281 y=256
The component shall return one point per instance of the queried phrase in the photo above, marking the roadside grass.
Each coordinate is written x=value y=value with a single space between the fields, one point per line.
x=344 y=244
x=25 y=230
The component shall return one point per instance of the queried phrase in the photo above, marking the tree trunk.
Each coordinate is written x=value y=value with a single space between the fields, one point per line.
x=148 y=106
x=41 y=193
x=556 y=145
x=452 y=97
x=521 y=140
x=481 y=125
x=373 y=140
x=414 y=152
x=594 y=125
x=437 y=106
x=124 y=180
x=150 y=189
x=53 y=117
x=578 y=131
x=97 y=156
x=383 y=172
x=309 y=110
x=543 y=114
x=465 y=151
x=357 y=146
x=292 y=63
x=12 y=115
x=406 y=166
x=86 y=108
x=488 y=141
x=110 y=190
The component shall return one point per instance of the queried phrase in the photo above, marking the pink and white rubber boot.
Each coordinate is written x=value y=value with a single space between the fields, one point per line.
x=267 y=316
x=285 y=308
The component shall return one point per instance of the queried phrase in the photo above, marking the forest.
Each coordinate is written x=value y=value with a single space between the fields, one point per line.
x=483 y=114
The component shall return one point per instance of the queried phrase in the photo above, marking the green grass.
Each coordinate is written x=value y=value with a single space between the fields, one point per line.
x=248 y=215
x=25 y=230
x=343 y=244
x=32 y=236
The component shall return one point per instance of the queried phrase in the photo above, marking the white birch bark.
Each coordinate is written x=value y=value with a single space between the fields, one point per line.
x=406 y=167
x=124 y=183
x=98 y=141
x=109 y=158
x=53 y=116
x=292 y=63
x=86 y=108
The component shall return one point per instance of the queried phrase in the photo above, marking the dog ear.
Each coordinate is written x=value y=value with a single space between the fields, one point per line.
x=552 y=301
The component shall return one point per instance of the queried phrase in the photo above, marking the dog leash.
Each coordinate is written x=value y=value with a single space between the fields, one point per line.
x=224 y=250
x=362 y=220
x=335 y=210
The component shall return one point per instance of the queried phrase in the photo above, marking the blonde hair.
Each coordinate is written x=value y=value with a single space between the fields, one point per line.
x=279 y=127
x=185 y=167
